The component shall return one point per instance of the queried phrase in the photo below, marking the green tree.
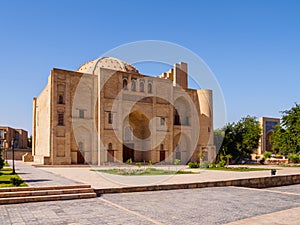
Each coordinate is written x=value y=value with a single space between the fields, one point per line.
x=286 y=137
x=241 y=138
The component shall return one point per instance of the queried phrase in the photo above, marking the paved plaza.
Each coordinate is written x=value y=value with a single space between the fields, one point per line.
x=220 y=205
x=194 y=206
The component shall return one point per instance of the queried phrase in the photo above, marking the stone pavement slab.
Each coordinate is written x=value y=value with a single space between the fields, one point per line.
x=37 y=177
x=193 y=206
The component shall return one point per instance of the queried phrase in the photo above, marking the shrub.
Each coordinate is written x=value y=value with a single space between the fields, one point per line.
x=16 y=181
x=222 y=163
x=212 y=165
x=150 y=164
x=193 y=164
x=138 y=164
x=267 y=155
x=129 y=161
x=177 y=161
x=294 y=158
x=204 y=165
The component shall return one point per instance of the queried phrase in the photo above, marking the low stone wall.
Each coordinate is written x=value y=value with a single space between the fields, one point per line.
x=262 y=182
x=18 y=153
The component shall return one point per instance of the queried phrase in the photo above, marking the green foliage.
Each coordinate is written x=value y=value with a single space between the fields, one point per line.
x=193 y=165
x=138 y=164
x=286 y=138
x=222 y=163
x=212 y=165
x=204 y=165
x=267 y=155
x=150 y=164
x=129 y=161
x=1 y=159
x=16 y=181
x=294 y=158
x=177 y=162
x=240 y=139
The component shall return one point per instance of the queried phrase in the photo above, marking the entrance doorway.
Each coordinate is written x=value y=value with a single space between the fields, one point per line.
x=162 y=156
x=128 y=152
x=110 y=155
x=80 y=158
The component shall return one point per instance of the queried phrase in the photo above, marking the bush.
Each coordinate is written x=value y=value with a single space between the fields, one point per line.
x=267 y=155
x=16 y=181
x=177 y=161
x=222 y=163
x=204 y=165
x=212 y=165
x=129 y=161
x=294 y=158
x=138 y=164
x=193 y=164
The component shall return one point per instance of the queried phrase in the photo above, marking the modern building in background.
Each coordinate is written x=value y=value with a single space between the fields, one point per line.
x=8 y=134
x=268 y=125
x=107 y=111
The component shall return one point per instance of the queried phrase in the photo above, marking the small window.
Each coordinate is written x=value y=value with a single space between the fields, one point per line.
x=60 y=119
x=110 y=146
x=162 y=121
x=110 y=118
x=161 y=146
x=60 y=99
x=133 y=84
x=142 y=88
x=149 y=88
x=125 y=84
x=81 y=113
x=208 y=129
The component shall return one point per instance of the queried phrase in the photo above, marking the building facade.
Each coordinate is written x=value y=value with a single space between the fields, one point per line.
x=268 y=125
x=107 y=111
x=8 y=134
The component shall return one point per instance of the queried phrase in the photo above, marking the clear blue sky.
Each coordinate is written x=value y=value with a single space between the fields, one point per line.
x=253 y=47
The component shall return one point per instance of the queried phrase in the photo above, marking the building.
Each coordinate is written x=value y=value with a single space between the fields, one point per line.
x=7 y=134
x=107 y=111
x=268 y=125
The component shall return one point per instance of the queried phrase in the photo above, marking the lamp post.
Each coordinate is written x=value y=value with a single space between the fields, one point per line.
x=13 y=154
x=4 y=144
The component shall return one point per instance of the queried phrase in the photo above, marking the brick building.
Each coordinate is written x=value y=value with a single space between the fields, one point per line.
x=107 y=111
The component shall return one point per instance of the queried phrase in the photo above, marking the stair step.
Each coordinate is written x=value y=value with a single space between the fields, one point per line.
x=45 y=192
x=13 y=200
x=16 y=189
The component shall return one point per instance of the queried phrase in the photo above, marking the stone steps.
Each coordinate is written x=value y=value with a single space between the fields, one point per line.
x=52 y=193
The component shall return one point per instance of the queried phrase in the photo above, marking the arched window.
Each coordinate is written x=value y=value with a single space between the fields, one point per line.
x=142 y=88
x=133 y=84
x=149 y=88
x=161 y=146
x=110 y=146
x=110 y=117
x=60 y=99
x=125 y=84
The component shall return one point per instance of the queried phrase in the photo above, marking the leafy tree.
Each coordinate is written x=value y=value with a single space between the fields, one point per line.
x=286 y=138
x=241 y=138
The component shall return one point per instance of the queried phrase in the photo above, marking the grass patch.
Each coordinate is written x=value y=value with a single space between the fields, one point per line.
x=5 y=178
x=142 y=172
x=237 y=169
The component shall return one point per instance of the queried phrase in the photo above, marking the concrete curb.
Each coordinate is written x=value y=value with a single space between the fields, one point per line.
x=261 y=182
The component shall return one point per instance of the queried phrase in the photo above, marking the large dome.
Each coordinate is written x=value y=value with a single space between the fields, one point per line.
x=108 y=63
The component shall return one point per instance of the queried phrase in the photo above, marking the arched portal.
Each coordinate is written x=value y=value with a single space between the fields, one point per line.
x=135 y=133
x=182 y=112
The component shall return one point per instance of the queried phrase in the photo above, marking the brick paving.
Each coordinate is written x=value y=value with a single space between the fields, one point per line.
x=194 y=206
